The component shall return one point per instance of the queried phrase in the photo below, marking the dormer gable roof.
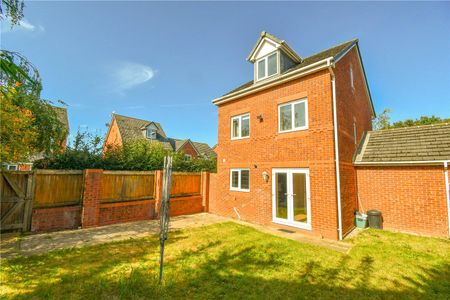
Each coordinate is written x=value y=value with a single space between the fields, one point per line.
x=268 y=42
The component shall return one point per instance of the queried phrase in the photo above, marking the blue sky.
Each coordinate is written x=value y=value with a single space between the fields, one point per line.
x=166 y=61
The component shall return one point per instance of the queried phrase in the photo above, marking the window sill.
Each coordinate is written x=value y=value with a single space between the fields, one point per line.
x=239 y=190
x=240 y=138
x=293 y=130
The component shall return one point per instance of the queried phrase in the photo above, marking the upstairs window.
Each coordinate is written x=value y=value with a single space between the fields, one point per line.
x=293 y=116
x=267 y=66
x=240 y=180
x=352 y=84
x=187 y=157
x=151 y=133
x=240 y=127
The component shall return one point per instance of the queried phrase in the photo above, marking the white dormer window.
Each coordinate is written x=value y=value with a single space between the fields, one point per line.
x=151 y=133
x=267 y=66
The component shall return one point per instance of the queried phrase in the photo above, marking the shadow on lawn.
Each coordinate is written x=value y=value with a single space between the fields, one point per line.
x=247 y=272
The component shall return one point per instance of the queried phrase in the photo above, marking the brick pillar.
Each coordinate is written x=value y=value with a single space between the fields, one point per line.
x=158 y=191
x=205 y=191
x=91 y=193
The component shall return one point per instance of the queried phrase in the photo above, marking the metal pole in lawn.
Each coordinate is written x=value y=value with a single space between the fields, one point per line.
x=164 y=211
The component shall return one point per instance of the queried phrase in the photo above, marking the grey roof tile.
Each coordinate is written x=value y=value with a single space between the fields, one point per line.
x=419 y=143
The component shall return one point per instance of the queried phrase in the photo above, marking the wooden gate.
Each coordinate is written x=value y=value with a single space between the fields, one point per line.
x=16 y=189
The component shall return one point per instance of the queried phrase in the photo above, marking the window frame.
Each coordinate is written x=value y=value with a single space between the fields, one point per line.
x=151 y=131
x=239 y=189
x=14 y=166
x=266 y=66
x=292 y=104
x=240 y=117
x=187 y=157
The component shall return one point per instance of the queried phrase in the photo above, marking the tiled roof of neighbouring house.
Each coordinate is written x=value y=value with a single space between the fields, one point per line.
x=331 y=52
x=132 y=128
x=420 y=143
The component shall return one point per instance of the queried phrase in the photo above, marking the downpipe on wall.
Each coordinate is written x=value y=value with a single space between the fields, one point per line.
x=336 y=147
x=447 y=191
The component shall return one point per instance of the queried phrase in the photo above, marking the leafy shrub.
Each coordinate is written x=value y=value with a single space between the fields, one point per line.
x=85 y=152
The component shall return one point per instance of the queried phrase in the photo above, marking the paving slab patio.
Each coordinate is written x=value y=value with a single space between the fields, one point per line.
x=15 y=245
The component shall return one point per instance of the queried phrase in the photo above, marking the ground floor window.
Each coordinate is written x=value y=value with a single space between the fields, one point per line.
x=240 y=180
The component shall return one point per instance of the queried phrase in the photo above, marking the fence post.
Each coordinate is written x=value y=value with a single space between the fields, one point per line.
x=27 y=215
x=91 y=193
x=205 y=191
x=158 y=191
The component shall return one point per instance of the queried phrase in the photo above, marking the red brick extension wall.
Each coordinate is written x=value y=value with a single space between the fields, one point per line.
x=353 y=106
x=267 y=149
x=411 y=198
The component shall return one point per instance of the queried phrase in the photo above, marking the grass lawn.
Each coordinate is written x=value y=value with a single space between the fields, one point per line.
x=232 y=261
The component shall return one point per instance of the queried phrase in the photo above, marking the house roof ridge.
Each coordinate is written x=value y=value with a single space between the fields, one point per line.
x=135 y=118
x=410 y=127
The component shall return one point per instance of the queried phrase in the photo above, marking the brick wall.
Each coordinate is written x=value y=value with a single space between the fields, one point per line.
x=56 y=218
x=93 y=213
x=120 y=212
x=411 y=199
x=267 y=149
x=113 y=138
x=353 y=108
x=188 y=149
x=186 y=205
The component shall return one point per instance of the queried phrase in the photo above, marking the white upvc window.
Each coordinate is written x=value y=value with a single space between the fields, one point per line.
x=293 y=116
x=12 y=167
x=352 y=84
x=267 y=66
x=187 y=157
x=240 y=127
x=240 y=180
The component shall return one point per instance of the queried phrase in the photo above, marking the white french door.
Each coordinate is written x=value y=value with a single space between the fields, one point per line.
x=291 y=203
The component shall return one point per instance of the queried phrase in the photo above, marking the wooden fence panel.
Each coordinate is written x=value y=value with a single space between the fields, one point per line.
x=57 y=188
x=14 y=200
x=119 y=186
x=186 y=184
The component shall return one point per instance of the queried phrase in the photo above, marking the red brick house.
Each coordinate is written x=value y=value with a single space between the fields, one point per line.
x=295 y=150
x=286 y=139
x=123 y=128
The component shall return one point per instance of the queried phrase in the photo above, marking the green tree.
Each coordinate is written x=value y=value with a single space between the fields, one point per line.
x=13 y=10
x=383 y=120
x=85 y=152
x=423 y=120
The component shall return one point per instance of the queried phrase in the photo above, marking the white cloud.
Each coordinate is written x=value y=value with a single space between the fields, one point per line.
x=128 y=75
x=23 y=25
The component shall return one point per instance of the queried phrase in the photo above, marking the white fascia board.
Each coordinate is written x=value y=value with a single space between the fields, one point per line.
x=317 y=66
x=397 y=163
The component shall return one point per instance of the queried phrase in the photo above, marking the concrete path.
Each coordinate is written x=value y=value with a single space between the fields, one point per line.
x=14 y=245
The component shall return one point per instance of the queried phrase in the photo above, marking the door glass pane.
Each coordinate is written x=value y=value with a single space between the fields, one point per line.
x=300 y=116
x=245 y=179
x=281 y=195
x=285 y=117
x=235 y=179
x=262 y=68
x=299 y=196
x=245 y=124
x=272 y=64
x=236 y=127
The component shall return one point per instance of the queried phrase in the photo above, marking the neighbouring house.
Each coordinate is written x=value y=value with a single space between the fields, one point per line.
x=286 y=139
x=403 y=173
x=123 y=129
x=62 y=115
